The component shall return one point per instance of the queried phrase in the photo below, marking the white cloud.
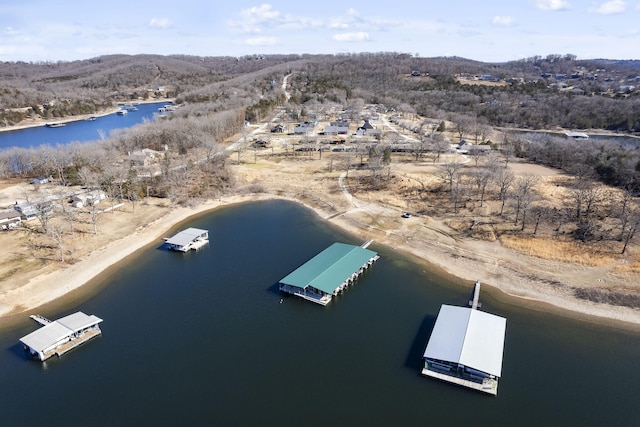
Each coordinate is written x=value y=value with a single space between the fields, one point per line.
x=352 y=37
x=552 y=5
x=160 y=23
x=262 y=41
x=610 y=7
x=503 y=21
x=10 y=31
x=254 y=18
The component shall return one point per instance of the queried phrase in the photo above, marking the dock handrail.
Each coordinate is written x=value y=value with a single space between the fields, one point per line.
x=366 y=244
x=40 y=319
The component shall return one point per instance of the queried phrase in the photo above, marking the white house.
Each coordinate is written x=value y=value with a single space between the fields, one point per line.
x=89 y=198
x=337 y=128
x=26 y=210
x=9 y=218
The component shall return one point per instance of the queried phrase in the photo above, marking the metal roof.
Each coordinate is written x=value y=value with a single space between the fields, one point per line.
x=79 y=321
x=330 y=268
x=50 y=334
x=468 y=337
x=186 y=236
x=46 y=336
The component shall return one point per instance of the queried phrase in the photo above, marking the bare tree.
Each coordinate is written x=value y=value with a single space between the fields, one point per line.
x=448 y=172
x=504 y=179
x=439 y=146
x=462 y=124
x=57 y=233
x=524 y=196
x=634 y=222
x=623 y=210
x=379 y=160
x=482 y=178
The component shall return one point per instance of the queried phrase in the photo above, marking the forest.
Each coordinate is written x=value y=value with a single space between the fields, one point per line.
x=438 y=101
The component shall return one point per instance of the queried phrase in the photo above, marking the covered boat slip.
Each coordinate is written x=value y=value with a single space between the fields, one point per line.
x=466 y=348
x=328 y=273
x=61 y=335
x=191 y=238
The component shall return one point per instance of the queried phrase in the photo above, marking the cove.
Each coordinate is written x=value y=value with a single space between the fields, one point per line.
x=203 y=338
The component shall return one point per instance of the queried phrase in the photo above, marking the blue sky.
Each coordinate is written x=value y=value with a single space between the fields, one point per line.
x=489 y=30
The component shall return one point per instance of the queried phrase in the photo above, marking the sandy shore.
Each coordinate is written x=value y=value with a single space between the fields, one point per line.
x=458 y=258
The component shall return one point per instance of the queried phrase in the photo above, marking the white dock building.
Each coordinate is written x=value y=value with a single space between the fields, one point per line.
x=59 y=336
x=191 y=238
x=466 y=347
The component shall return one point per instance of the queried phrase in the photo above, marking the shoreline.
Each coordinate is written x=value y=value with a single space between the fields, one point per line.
x=39 y=122
x=38 y=292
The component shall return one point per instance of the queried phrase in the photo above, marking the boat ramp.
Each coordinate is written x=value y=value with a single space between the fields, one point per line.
x=329 y=273
x=466 y=347
x=191 y=238
x=60 y=336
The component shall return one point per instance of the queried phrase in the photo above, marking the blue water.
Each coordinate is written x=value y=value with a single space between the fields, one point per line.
x=78 y=131
x=206 y=338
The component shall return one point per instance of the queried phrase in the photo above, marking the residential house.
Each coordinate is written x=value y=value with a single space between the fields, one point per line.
x=340 y=127
x=9 y=218
x=89 y=198
x=305 y=128
x=146 y=162
x=26 y=210
x=40 y=180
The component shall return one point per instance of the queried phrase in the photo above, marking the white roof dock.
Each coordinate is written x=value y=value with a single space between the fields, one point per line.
x=466 y=346
x=184 y=240
x=468 y=337
x=73 y=328
x=576 y=135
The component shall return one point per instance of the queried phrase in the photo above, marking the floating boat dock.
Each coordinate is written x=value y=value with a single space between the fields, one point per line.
x=329 y=273
x=60 y=336
x=466 y=347
x=191 y=238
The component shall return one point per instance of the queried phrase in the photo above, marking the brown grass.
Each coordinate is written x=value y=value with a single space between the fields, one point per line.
x=558 y=251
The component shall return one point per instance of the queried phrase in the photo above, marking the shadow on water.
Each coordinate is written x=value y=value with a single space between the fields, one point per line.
x=18 y=351
x=275 y=289
x=416 y=351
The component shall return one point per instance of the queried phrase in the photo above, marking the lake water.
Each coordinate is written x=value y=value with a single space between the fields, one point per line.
x=204 y=339
x=78 y=131
x=623 y=140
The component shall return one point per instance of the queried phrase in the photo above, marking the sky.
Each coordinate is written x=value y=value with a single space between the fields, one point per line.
x=489 y=30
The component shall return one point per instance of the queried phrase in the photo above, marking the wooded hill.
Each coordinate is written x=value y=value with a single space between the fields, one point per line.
x=536 y=93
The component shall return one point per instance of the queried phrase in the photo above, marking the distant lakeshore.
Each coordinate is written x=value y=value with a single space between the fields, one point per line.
x=40 y=121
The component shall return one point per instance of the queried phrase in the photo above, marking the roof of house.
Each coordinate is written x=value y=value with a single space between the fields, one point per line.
x=330 y=268
x=9 y=214
x=468 y=337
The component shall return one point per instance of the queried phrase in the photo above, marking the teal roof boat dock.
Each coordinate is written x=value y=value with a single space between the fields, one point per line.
x=329 y=273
